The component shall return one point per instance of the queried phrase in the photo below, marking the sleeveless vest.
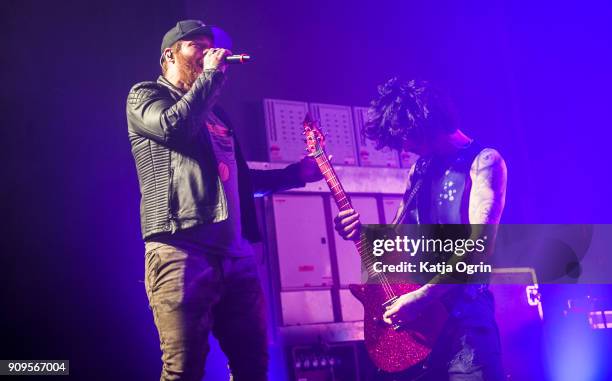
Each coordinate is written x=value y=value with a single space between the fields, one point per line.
x=445 y=191
x=443 y=198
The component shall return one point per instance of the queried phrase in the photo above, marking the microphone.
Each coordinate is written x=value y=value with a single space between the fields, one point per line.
x=238 y=59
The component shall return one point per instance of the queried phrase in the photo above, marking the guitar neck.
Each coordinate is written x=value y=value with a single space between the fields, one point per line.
x=329 y=174
x=343 y=202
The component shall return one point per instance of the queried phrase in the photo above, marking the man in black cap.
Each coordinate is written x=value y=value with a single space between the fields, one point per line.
x=197 y=210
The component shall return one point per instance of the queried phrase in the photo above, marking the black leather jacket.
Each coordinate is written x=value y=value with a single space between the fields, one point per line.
x=177 y=169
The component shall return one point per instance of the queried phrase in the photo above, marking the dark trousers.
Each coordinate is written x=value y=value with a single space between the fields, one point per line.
x=191 y=294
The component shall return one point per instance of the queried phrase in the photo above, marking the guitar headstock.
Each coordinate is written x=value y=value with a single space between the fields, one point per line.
x=315 y=140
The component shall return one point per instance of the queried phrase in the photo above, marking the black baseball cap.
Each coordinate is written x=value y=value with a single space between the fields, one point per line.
x=188 y=28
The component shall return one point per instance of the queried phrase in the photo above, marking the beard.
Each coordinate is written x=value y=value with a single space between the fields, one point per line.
x=189 y=70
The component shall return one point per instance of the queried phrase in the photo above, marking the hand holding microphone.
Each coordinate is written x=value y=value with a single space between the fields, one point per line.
x=217 y=58
x=214 y=58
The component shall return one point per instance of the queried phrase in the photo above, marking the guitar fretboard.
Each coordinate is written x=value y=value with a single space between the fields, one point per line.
x=343 y=202
x=329 y=174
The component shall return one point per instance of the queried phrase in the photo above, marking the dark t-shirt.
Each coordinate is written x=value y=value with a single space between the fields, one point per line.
x=225 y=237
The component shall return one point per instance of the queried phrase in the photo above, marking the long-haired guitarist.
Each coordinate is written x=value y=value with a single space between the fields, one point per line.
x=462 y=183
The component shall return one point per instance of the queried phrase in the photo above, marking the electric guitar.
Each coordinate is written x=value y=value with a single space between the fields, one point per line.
x=392 y=348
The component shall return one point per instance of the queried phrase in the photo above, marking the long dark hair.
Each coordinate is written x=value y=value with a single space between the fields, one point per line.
x=410 y=110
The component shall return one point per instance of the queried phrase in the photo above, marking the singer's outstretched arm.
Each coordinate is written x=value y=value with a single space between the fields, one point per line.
x=156 y=117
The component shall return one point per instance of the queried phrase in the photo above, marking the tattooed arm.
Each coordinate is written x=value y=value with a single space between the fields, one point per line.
x=488 y=193
x=487 y=200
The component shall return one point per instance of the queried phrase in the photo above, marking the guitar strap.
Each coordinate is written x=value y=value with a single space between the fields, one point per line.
x=411 y=192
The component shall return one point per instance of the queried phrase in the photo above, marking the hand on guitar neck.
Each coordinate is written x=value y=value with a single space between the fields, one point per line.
x=348 y=225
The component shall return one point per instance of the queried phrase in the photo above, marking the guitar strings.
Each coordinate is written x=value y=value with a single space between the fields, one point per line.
x=343 y=204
